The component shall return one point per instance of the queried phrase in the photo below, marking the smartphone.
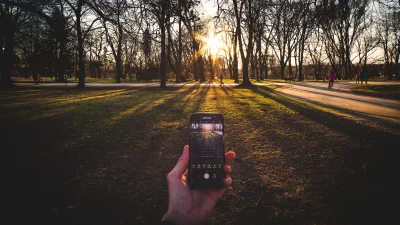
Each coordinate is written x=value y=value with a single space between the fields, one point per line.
x=207 y=151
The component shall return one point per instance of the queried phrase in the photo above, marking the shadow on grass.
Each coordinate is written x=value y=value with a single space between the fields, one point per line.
x=250 y=201
x=362 y=191
x=118 y=175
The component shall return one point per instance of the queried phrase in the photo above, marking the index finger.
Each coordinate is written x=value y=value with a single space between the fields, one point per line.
x=229 y=157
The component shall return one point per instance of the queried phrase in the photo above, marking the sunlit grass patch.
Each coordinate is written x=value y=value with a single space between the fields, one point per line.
x=126 y=113
x=50 y=113
x=30 y=90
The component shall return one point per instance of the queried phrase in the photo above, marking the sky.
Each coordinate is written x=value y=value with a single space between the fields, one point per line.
x=209 y=8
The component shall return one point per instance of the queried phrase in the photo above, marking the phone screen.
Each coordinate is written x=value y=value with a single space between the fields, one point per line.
x=206 y=151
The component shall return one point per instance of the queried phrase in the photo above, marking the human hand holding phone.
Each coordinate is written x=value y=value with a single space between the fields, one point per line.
x=187 y=206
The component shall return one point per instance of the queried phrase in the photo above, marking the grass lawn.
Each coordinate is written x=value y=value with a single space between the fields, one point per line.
x=73 y=80
x=101 y=156
x=382 y=91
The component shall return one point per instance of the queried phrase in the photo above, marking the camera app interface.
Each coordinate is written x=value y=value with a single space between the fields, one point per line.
x=207 y=150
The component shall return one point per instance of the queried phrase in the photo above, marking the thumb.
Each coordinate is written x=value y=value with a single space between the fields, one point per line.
x=182 y=163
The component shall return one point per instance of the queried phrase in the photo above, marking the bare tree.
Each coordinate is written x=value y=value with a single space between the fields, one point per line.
x=284 y=28
x=83 y=27
x=389 y=30
x=226 y=20
x=343 y=22
x=161 y=12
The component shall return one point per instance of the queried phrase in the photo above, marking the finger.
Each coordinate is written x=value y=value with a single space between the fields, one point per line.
x=227 y=169
x=182 y=163
x=227 y=181
x=229 y=157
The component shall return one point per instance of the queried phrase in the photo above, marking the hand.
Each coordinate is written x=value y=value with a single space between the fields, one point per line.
x=188 y=206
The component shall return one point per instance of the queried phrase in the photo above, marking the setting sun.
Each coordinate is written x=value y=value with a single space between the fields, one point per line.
x=213 y=44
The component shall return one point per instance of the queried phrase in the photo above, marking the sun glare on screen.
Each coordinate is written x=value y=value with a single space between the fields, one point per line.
x=206 y=127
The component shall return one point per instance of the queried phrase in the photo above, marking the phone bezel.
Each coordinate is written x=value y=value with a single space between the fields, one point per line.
x=200 y=117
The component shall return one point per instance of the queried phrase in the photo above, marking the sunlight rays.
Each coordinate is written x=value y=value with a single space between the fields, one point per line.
x=212 y=44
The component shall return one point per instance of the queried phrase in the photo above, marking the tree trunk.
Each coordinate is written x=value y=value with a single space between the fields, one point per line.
x=211 y=63
x=282 y=65
x=118 y=64
x=301 y=56
x=230 y=66
x=179 y=62
x=397 y=69
x=260 y=61
x=245 y=71
x=163 y=62
x=8 y=55
x=235 y=60
x=347 y=63
x=81 y=59
x=61 y=61
x=253 y=67
x=118 y=60
x=290 y=60
x=266 y=62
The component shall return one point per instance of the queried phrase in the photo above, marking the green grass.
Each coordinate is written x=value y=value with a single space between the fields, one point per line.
x=88 y=80
x=73 y=80
x=101 y=150
x=382 y=91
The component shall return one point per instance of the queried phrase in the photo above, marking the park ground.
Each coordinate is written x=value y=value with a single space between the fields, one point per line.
x=101 y=155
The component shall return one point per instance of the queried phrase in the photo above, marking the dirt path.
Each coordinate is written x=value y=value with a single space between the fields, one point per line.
x=341 y=85
x=339 y=98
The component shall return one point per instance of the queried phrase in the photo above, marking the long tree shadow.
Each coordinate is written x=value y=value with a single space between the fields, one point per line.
x=361 y=190
x=249 y=202
x=103 y=180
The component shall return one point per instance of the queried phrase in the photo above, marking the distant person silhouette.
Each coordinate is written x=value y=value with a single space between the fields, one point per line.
x=331 y=79
x=357 y=78
x=366 y=77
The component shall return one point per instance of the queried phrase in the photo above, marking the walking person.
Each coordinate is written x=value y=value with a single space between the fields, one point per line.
x=38 y=79
x=357 y=78
x=366 y=77
x=220 y=78
x=66 y=80
x=332 y=76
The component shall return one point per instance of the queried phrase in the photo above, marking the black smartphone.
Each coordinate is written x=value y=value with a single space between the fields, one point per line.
x=207 y=151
